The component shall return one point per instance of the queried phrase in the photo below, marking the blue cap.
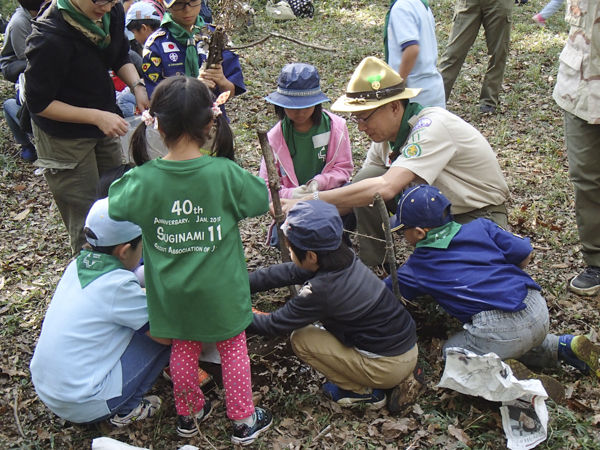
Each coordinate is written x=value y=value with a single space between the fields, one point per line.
x=422 y=206
x=297 y=87
x=108 y=232
x=314 y=225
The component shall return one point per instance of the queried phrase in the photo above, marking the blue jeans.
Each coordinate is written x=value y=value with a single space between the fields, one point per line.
x=141 y=364
x=521 y=335
x=11 y=107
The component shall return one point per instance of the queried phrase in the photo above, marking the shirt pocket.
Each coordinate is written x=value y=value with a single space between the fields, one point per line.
x=569 y=72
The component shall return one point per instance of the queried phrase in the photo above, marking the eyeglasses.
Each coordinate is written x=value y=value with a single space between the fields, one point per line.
x=104 y=2
x=364 y=120
x=179 y=6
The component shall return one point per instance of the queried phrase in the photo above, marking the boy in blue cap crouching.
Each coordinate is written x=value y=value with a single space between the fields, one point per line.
x=368 y=340
x=475 y=272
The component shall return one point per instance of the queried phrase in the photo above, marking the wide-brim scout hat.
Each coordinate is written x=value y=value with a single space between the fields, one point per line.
x=297 y=87
x=373 y=84
x=422 y=206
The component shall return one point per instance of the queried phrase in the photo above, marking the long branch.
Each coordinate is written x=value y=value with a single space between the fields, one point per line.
x=281 y=36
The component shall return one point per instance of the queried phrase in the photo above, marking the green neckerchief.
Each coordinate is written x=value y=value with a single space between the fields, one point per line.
x=412 y=109
x=440 y=237
x=185 y=37
x=385 y=29
x=87 y=23
x=92 y=265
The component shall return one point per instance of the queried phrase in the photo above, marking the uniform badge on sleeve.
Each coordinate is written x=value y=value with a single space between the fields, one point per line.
x=169 y=47
x=412 y=151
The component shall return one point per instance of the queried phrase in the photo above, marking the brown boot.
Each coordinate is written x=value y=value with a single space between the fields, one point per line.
x=407 y=392
x=554 y=388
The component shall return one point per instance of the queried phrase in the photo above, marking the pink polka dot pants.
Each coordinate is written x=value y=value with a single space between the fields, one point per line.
x=235 y=365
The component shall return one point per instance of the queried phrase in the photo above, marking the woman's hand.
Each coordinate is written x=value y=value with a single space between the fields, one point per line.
x=111 y=124
x=141 y=97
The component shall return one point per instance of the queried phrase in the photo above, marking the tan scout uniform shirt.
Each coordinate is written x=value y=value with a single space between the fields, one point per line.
x=577 y=87
x=451 y=155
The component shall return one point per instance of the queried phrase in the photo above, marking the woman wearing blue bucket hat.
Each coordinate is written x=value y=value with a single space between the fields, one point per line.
x=311 y=146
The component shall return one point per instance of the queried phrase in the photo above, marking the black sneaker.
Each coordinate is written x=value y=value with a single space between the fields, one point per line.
x=587 y=282
x=186 y=426
x=246 y=434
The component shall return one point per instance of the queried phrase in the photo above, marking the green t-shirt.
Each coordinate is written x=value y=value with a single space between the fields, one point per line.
x=195 y=267
x=309 y=149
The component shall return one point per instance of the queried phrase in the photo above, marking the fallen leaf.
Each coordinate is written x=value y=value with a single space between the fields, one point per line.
x=22 y=214
x=460 y=435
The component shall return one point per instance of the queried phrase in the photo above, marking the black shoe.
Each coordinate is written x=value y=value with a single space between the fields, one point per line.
x=28 y=153
x=487 y=109
x=186 y=426
x=587 y=282
x=246 y=434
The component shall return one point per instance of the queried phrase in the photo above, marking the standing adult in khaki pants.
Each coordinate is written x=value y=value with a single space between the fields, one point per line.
x=577 y=92
x=469 y=15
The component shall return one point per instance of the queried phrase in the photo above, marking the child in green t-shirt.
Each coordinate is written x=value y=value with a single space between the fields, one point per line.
x=311 y=146
x=188 y=205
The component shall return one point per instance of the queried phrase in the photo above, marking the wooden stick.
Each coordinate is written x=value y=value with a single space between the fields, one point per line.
x=281 y=36
x=15 y=410
x=390 y=252
x=274 y=187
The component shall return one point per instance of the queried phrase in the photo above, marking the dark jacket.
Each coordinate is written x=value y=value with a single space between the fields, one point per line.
x=352 y=304
x=65 y=65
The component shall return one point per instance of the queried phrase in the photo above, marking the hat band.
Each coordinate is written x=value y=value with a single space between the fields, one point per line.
x=382 y=93
x=295 y=93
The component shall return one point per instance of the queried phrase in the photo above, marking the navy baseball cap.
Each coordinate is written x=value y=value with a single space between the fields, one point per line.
x=297 y=87
x=422 y=206
x=314 y=225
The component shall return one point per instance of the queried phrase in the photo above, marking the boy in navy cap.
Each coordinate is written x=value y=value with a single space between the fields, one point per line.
x=475 y=272
x=368 y=340
x=95 y=359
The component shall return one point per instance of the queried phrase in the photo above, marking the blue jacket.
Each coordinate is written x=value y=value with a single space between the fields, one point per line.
x=477 y=272
x=165 y=57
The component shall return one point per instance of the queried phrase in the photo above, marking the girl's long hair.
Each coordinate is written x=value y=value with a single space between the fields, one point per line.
x=183 y=107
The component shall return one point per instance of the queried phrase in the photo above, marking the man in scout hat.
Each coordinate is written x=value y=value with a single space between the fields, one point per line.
x=412 y=144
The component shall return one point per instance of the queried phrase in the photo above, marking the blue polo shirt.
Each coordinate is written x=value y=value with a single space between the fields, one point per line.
x=76 y=365
x=478 y=271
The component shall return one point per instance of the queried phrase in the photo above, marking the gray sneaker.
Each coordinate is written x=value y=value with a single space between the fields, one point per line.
x=148 y=407
x=587 y=282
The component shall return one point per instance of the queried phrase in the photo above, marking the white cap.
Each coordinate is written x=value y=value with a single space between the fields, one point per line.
x=141 y=11
x=108 y=232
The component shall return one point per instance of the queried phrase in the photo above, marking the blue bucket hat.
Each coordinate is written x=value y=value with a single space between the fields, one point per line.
x=297 y=87
x=422 y=206
x=314 y=225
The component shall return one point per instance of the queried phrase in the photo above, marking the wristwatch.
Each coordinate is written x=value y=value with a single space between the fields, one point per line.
x=316 y=195
x=137 y=83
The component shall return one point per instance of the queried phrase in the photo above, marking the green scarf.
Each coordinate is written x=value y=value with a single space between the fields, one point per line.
x=102 y=33
x=440 y=237
x=92 y=265
x=411 y=110
x=385 y=30
x=185 y=37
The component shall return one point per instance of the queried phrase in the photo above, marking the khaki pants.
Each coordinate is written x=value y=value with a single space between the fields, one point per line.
x=583 y=153
x=469 y=15
x=348 y=368
x=371 y=237
x=77 y=165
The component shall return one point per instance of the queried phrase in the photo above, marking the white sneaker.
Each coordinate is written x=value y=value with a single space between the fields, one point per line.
x=147 y=408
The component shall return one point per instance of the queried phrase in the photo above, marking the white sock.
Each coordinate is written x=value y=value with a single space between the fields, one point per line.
x=247 y=421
